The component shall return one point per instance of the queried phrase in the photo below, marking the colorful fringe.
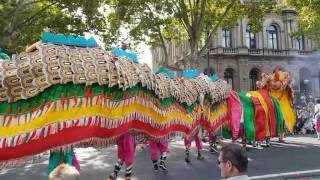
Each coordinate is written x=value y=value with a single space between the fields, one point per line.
x=248 y=114
x=94 y=115
x=285 y=101
x=262 y=116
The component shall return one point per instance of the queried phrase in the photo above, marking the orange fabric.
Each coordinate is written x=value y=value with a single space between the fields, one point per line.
x=272 y=116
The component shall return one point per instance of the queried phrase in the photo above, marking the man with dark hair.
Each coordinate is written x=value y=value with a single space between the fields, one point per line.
x=233 y=162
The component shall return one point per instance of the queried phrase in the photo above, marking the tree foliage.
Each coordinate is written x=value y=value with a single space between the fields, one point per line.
x=151 y=21
x=156 y=21
x=308 y=12
x=23 y=21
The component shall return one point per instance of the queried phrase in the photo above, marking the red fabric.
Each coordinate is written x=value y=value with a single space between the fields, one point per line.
x=272 y=116
x=76 y=134
x=215 y=125
x=234 y=114
x=259 y=119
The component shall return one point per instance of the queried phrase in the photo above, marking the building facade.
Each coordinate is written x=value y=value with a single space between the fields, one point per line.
x=240 y=56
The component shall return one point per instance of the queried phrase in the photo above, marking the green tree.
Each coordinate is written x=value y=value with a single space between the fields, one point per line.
x=23 y=21
x=195 y=21
x=308 y=12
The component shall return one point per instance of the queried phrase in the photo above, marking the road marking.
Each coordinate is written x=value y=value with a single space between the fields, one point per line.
x=285 y=174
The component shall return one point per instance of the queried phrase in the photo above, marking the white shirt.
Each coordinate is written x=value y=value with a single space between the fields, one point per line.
x=242 y=177
x=317 y=108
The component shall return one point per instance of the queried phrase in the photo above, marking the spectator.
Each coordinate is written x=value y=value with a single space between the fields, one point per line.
x=64 y=172
x=317 y=117
x=233 y=162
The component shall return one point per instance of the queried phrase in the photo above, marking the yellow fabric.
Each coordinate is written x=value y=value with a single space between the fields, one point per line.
x=282 y=76
x=98 y=110
x=217 y=113
x=265 y=107
x=57 y=106
x=285 y=105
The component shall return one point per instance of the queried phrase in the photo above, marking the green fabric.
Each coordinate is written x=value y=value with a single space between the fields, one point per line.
x=58 y=157
x=219 y=132
x=226 y=133
x=54 y=92
x=279 y=115
x=248 y=116
x=4 y=56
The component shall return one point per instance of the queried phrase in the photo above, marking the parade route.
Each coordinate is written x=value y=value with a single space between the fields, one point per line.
x=296 y=159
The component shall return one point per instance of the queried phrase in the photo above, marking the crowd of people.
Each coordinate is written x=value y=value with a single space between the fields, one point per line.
x=306 y=117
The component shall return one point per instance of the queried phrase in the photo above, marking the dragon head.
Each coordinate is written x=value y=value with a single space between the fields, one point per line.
x=277 y=79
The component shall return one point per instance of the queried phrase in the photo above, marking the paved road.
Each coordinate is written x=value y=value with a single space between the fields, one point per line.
x=298 y=154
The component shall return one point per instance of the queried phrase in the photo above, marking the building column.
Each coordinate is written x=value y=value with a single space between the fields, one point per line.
x=219 y=38
x=243 y=73
x=286 y=34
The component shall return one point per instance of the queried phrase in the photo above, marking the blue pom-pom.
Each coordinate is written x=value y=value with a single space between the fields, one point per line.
x=70 y=40
x=47 y=37
x=59 y=39
x=118 y=52
x=190 y=73
x=91 y=42
x=214 y=77
x=166 y=71
x=81 y=41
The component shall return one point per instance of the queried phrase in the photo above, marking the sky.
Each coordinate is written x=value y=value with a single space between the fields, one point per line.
x=144 y=57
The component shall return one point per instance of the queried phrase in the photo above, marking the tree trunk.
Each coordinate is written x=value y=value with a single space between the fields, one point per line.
x=164 y=47
x=193 y=59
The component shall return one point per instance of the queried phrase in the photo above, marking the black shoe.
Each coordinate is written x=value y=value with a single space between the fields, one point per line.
x=187 y=156
x=200 y=157
x=213 y=149
x=268 y=143
x=155 y=168
x=163 y=166
x=113 y=176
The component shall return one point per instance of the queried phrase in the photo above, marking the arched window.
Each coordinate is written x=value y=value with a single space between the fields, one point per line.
x=272 y=32
x=226 y=38
x=228 y=76
x=300 y=43
x=305 y=80
x=254 y=76
x=250 y=39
